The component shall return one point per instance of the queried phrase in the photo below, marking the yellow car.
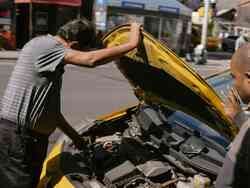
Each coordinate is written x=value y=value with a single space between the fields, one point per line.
x=177 y=132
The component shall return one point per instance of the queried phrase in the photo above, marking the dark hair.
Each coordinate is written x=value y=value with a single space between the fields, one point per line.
x=80 y=30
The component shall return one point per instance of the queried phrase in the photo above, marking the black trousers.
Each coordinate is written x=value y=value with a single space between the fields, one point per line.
x=21 y=156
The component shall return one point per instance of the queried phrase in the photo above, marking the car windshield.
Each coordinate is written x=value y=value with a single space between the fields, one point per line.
x=221 y=83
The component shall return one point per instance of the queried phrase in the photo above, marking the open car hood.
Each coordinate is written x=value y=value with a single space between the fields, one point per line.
x=160 y=77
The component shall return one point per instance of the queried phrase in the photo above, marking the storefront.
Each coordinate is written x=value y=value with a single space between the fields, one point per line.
x=37 y=17
x=243 y=15
x=5 y=13
x=7 y=36
x=169 y=21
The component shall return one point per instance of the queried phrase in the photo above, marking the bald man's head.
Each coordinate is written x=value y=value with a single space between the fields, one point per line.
x=240 y=70
x=241 y=58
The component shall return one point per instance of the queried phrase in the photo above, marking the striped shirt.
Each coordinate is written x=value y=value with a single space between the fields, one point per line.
x=32 y=96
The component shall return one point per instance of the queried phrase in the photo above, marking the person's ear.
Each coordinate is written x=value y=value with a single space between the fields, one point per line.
x=247 y=74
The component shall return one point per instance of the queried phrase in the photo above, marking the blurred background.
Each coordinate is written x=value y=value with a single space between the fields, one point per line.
x=178 y=23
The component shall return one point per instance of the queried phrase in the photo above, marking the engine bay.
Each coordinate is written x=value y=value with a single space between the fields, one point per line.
x=147 y=148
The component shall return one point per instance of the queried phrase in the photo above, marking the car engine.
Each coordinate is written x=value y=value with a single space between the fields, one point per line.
x=149 y=150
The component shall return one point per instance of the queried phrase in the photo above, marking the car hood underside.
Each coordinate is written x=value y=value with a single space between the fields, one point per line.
x=159 y=76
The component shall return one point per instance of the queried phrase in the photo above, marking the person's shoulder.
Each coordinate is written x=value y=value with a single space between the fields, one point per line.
x=42 y=45
x=38 y=40
x=46 y=42
x=48 y=39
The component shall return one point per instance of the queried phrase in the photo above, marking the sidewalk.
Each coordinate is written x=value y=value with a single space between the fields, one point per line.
x=11 y=55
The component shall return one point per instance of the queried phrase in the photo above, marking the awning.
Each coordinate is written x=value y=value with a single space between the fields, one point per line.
x=226 y=14
x=224 y=11
x=56 y=2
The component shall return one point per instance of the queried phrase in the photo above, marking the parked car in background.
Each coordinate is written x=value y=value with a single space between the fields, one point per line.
x=228 y=43
x=213 y=43
x=176 y=132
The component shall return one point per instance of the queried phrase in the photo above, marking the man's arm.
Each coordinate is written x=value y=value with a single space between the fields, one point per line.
x=102 y=56
x=67 y=129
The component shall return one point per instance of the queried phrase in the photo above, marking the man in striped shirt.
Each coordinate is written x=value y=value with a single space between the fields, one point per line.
x=31 y=104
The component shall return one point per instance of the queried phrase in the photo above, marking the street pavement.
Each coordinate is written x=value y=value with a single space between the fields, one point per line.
x=91 y=92
x=211 y=67
x=8 y=55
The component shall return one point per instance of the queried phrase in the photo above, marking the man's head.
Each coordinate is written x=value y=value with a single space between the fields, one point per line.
x=79 y=34
x=240 y=69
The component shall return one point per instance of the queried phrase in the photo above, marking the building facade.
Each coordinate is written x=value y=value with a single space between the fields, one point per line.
x=5 y=12
x=169 y=21
x=38 y=17
x=243 y=14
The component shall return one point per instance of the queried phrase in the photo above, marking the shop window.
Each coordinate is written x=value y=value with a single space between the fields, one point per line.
x=116 y=19
x=151 y=25
x=41 y=23
x=169 y=33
